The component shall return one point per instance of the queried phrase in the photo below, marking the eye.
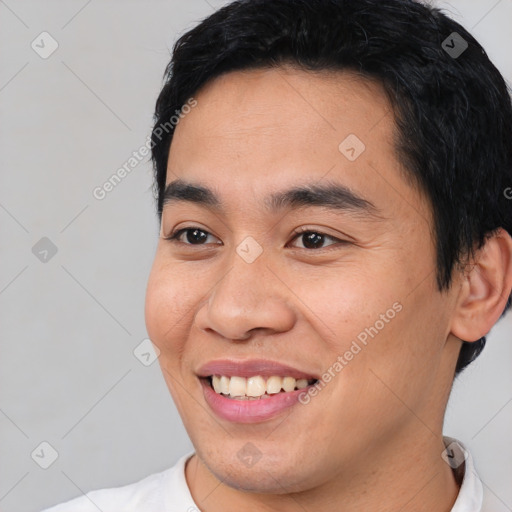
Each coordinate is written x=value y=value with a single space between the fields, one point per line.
x=314 y=239
x=311 y=239
x=194 y=236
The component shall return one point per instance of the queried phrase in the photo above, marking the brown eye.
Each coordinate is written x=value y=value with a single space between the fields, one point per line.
x=314 y=239
x=194 y=236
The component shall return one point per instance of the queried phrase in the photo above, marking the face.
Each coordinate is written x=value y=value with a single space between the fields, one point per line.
x=332 y=287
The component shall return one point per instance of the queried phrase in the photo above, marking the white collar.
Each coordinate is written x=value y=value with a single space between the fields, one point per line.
x=471 y=493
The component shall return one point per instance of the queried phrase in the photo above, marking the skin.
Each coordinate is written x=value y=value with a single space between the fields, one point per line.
x=372 y=438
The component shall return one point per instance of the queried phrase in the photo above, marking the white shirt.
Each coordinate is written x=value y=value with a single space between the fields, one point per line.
x=168 y=491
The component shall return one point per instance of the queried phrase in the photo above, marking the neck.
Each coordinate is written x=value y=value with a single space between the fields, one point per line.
x=406 y=475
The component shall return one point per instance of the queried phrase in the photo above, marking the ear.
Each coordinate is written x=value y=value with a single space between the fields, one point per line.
x=485 y=288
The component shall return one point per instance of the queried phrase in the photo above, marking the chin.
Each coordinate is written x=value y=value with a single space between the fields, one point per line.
x=270 y=472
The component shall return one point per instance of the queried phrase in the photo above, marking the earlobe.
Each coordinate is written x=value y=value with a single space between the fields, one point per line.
x=485 y=289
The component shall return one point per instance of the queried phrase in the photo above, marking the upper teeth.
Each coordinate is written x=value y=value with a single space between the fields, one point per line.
x=255 y=386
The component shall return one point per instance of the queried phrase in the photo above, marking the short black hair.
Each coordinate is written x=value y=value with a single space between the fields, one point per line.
x=453 y=112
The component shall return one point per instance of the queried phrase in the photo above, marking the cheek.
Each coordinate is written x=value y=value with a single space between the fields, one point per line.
x=348 y=302
x=374 y=322
x=168 y=307
x=169 y=310
x=400 y=359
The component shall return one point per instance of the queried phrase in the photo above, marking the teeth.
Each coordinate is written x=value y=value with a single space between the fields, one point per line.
x=224 y=385
x=274 y=385
x=216 y=384
x=289 y=384
x=254 y=388
x=302 y=383
x=238 y=386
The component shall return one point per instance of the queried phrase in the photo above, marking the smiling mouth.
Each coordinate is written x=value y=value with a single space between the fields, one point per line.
x=256 y=387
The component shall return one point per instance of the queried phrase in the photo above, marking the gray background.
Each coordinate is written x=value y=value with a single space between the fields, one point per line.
x=69 y=326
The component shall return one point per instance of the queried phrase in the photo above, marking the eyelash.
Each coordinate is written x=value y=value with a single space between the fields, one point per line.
x=175 y=235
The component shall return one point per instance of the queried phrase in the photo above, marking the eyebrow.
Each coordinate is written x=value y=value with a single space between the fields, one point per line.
x=330 y=195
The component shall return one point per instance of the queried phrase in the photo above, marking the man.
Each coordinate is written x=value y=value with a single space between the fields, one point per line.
x=332 y=182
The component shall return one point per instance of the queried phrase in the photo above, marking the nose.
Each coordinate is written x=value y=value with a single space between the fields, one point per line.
x=248 y=299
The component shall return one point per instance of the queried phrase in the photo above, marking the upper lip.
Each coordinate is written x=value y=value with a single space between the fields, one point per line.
x=250 y=368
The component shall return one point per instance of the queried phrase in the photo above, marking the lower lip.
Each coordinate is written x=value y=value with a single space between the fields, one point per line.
x=249 y=411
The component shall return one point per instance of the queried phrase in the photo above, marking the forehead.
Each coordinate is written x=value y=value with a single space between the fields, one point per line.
x=285 y=106
x=255 y=131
